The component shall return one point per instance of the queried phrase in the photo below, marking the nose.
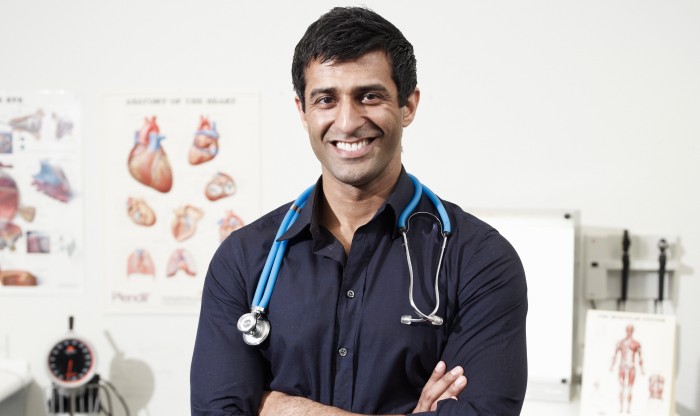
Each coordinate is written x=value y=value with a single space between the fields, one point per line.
x=350 y=116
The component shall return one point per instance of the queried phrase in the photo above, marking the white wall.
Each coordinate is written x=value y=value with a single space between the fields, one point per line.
x=540 y=104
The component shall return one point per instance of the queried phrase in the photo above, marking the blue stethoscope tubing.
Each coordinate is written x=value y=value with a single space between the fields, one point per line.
x=268 y=277
x=256 y=328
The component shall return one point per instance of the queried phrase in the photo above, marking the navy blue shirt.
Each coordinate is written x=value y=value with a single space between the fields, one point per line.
x=336 y=333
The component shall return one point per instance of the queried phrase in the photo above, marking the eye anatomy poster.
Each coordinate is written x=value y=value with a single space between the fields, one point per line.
x=628 y=364
x=41 y=194
x=182 y=171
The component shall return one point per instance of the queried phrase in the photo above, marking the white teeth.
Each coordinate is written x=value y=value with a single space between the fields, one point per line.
x=352 y=147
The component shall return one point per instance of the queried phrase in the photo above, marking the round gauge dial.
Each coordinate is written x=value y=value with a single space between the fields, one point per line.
x=71 y=362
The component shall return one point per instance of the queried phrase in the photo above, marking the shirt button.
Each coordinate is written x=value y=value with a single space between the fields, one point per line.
x=343 y=352
x=350 y=294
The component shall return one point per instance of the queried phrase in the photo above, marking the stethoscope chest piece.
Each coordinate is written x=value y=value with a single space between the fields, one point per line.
x=254 y=328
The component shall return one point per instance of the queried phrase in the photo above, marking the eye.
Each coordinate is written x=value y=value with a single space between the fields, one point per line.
x=371 y=98
x=325 y=101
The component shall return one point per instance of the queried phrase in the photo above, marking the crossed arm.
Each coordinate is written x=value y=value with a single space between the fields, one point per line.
x=488 y=340
x=441 y=385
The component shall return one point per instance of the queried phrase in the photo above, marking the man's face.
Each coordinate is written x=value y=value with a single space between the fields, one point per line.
x=354 y=120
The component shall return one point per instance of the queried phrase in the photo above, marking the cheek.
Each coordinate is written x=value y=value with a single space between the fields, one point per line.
x=318 y=124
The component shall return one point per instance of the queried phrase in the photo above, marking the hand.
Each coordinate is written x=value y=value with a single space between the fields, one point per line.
x=440 y=386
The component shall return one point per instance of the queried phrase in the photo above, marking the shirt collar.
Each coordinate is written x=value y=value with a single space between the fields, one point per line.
x=309 y=212
x=309 y=216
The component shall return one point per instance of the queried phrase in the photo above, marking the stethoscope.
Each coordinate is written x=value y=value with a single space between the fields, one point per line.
x=256 y=328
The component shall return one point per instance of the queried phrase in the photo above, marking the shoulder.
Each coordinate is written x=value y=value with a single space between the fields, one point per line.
x=475 y=235
x=487 y=260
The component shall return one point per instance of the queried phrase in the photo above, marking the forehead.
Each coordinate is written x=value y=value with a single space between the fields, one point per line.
x=371 y=68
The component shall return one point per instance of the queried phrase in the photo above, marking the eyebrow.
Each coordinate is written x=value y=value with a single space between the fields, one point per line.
x=319 y=91
x=357 y=90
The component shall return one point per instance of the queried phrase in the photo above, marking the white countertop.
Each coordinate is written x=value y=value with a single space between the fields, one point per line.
x=14 y=375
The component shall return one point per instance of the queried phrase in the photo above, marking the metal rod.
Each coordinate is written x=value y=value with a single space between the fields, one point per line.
x=625 y=268
x=663 y=245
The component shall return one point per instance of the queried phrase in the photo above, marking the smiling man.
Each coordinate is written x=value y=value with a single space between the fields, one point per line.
x=344 y=338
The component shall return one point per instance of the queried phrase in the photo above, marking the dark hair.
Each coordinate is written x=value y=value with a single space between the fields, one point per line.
x=347 y=33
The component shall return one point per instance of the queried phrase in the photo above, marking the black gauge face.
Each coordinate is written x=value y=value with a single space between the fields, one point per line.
x=71 y=362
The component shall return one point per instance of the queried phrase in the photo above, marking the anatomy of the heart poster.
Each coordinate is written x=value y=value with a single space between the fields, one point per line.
x=182 y=171
x=41 y=195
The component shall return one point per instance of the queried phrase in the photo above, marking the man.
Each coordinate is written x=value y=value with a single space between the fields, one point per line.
x=337 y=344
x=630 y=352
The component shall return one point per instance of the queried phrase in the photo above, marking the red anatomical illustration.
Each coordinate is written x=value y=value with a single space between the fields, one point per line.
x=9 y=207
x=148 y=162
x=656 y=386
x=17 y=278
x=181 y=259
x=206 y=142
x=140 y=212
x=9 y=196
x=30 y=123
x=53 y=182
x=140 y=262
x=64 y=125
x=230 y=223
x=9 y=234
x=220 y=186
x=38 y=242
x=184 y=224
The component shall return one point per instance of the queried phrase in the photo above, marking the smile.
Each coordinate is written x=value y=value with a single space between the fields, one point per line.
x=352 y=147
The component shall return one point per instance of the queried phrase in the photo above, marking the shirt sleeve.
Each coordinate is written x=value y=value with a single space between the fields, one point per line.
x=227 y=376
x=487 y=336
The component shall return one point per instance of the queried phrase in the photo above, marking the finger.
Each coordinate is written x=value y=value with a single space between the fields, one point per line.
x=431 y=393
x=452 y=392
x=437 y=374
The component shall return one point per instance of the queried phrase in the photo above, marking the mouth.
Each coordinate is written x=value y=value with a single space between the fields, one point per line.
x=352 y=146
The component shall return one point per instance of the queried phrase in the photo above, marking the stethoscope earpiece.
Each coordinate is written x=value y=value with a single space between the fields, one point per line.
x=433 y=319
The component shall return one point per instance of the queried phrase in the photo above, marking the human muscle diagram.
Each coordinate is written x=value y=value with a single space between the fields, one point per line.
x=192 y=160
x=40 y=193
x=629 y=364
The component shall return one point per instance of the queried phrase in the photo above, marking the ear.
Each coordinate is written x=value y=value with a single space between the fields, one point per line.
x=302 y=114
x=409 y=110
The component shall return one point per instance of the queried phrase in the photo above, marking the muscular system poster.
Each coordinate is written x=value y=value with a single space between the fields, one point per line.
x=628 y=365
x=41 y=193
x=181 y=173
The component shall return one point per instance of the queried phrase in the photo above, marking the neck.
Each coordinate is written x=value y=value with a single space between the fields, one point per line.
x=347 y=207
